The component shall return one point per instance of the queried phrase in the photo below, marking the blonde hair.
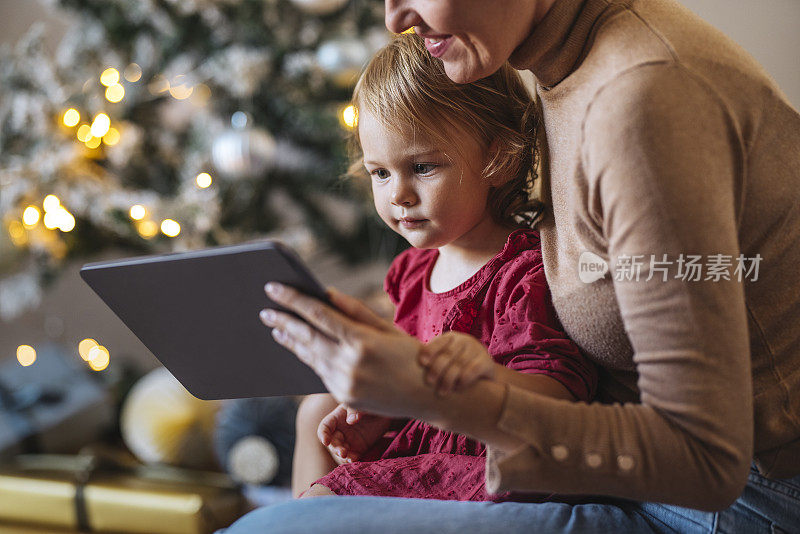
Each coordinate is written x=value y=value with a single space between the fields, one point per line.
x=404 y=86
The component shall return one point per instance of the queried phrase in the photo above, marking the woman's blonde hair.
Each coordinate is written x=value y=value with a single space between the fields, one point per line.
x=404 y=86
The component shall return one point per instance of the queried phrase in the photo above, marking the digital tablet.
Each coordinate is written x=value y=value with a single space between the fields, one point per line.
x=197 y=312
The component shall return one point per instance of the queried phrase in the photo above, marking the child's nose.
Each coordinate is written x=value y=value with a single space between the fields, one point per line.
x=403 y=194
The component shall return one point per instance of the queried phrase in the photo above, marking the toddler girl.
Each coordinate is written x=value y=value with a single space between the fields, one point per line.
x=451 y=167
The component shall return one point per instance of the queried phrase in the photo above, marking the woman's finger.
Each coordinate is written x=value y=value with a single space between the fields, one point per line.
x=310 y=346
x=316 y=313
x=357 y=310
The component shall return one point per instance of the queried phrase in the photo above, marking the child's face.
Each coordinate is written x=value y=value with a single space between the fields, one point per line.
x=428 y=198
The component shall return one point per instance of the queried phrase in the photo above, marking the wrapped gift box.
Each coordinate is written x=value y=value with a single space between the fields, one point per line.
x=84 y=494
x=50 y=406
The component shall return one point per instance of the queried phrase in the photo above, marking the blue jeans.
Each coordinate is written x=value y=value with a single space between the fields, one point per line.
x=768 y=506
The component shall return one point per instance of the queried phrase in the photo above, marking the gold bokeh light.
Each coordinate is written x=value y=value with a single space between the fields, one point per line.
x=115 y=93
x=26 y=355
x=71 y=117
x=109 y=77
x=85 y=346
x=203 y=180
x=30 y=216
x=170 y=227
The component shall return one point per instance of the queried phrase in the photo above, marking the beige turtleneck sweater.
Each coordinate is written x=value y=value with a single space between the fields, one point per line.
x=663 y=137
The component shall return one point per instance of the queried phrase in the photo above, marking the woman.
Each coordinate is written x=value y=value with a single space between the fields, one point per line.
x=668 y=149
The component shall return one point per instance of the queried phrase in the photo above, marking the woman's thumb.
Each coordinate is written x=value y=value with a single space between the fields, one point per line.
x=352 y=416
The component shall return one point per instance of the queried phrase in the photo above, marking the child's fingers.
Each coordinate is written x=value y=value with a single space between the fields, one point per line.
x=472 y=372
x=434 y=349
x=437 y=367
x=450 y=376
x=353 y=416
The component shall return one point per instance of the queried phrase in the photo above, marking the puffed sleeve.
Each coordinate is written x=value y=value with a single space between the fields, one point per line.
x=664 y=160
x=392 y=283
x=527 y=336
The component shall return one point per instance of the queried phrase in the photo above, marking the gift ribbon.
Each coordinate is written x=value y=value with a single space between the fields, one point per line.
x=83 y=466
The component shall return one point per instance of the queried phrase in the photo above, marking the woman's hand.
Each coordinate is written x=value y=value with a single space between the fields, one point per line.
x=455 y=361
x=363 y=360
x=349 y=433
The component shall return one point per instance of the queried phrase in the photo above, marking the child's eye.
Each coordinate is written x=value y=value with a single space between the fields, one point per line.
x=380 y=174
x=424 y=168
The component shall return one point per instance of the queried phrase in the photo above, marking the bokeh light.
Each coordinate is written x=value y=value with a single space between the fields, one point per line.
x=203 y=180
x=349 y=117
x=109 y=77
x=30 y=216
x=51 y=203
x=132 y=73
x=112 y=137
x=71 y=117
x=26 y=355
x=115 y=93
x=85 y=346
x=84 y=133
x=137 y=212
x=147 y=229
x=99 y=358
x=170 y=227
x=100 y=125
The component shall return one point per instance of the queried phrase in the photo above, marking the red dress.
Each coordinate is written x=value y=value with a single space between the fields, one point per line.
x=506 y=305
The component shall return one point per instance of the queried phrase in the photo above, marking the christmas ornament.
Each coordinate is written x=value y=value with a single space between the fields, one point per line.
x=243 y=152
x=319 y=7
x=254 y=439
x=343 y=59
x=162 y=422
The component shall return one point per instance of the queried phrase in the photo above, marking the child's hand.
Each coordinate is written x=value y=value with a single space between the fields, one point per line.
x=349 y=433
x=454 y=361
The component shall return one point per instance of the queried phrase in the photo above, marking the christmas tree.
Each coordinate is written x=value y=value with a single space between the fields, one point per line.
x=164 y=125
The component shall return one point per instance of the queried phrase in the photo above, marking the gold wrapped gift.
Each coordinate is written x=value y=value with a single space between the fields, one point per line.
x=86 y=494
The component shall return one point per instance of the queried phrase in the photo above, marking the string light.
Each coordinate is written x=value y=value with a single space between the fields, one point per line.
x=112 y=137
x=85 y=346
x=132 y=73
x=30 y=216
x=84 y=133
x=93 y=142
x=147 y=229
x=51 y=203
x=100 y=125
x=115 y=93
x=26 y=355
x=170 y=227
x=203 y=180
x=349 y=117
x=98 y=358
x=109 y=77
x=137 y=212
x=17 y=233
x=71 y=117
x=179 y=89
x=66 y=222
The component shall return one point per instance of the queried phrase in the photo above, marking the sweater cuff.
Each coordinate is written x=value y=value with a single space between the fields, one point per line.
x=507 y=471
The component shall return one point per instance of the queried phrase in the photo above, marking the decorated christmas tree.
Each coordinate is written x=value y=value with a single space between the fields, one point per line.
x=165 y=125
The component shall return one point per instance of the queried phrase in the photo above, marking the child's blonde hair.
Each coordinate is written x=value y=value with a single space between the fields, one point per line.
x=404 y=86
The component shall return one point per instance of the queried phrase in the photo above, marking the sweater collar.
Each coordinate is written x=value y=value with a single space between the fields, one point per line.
x=556 y=45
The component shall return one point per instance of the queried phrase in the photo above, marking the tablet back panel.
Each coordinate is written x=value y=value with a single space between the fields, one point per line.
x=197 y=312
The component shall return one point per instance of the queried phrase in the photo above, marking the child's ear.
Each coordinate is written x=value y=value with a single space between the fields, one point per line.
x=496 y=179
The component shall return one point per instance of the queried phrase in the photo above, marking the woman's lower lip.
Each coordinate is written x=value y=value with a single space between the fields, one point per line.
x=437 y=47
x=413 y=224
